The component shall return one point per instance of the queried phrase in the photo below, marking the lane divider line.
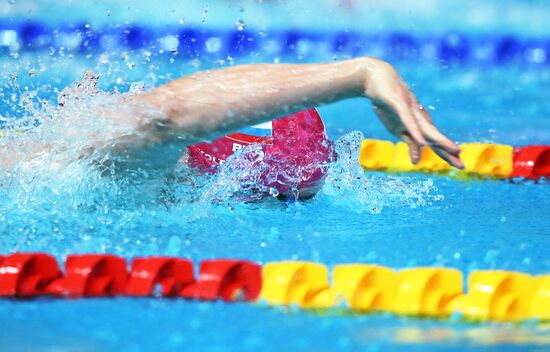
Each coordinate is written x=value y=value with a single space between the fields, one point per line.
x=491 y=295
x=190 y=42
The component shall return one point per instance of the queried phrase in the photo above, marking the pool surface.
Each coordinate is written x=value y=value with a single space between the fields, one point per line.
x=483 y=81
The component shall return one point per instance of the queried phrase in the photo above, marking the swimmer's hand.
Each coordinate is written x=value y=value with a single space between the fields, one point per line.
x=402 y=114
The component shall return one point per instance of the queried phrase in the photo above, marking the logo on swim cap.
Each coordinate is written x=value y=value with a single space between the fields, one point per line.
x=261 y=130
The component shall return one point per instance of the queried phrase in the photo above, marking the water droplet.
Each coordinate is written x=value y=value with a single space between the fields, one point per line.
x=196 y=63
x=240 y=25
x=213 y=44
x=273 y=192
x=371 y=256
x=491 y=256
x=205 y=14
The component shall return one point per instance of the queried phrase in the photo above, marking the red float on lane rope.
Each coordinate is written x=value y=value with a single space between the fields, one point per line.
x=229 y=280
x=532 y=162
x=91 y=275
x=170 y=273
x=27 y=274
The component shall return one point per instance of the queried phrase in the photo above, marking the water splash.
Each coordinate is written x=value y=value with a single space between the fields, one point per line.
x=52 y=184
x=349 y=186
x=249 y=175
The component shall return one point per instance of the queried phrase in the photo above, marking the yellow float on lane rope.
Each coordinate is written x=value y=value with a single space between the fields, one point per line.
x=487 y=159
x=426 y=291
x=302 y=283
x=376 y=155
x=428 y=161
x=540 y=302
x=365 y=287
x=494 y=160
x=496 y=295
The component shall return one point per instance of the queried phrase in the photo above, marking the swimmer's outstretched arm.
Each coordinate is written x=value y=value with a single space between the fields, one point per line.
x=212 y=103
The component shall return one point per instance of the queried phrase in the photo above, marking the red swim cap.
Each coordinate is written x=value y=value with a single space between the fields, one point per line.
x=296 y=147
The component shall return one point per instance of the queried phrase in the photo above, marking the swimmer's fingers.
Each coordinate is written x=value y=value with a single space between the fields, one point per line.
x=449 y=151
x=393 y=123
x=442 y=145
x=412 y=133
x=414 y=148
x=430 y=132
x=452 y=159
x=409 y=121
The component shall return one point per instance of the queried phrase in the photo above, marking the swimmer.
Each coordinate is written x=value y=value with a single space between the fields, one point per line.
x=210 y=104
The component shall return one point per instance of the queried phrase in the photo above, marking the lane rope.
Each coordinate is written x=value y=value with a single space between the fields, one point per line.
x=436 y=292
x=190 y=42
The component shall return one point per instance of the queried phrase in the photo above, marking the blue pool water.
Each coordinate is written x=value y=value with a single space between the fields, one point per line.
x=497 y=95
